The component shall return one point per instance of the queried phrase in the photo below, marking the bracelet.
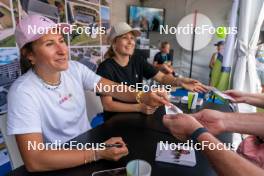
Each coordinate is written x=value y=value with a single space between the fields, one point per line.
x=84 y=157
x=94 y=155
x=194 y=136
x=139 y=96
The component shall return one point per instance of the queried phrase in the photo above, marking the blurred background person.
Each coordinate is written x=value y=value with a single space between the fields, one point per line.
x=163 y=59
x=260 y=64
x=216 y=64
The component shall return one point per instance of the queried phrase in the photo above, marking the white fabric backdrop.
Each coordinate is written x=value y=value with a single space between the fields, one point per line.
x=245 y=75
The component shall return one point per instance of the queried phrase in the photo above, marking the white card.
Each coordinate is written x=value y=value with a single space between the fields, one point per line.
x=221 y=94
x=178 y=156
x=172 y=109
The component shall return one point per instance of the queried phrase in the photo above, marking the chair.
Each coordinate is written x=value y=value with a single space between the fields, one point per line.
x=93 y=105
x=10 y=141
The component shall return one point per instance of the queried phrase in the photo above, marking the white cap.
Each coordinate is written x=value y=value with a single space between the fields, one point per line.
x=119 y=29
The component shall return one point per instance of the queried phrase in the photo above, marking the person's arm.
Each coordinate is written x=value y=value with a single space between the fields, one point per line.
x=218 y=122
x=169 y=64
x=162 y=67
x=154 y=99
x=114 y=106
x=155 y=64
x=245 y=123
x=224 y=161
x=212 y=61
x=255 y=99
x=167 y=68
x=37 y=160
x=189 y=84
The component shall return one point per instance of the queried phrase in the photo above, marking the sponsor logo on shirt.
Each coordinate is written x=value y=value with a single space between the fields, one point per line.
x=65 y=98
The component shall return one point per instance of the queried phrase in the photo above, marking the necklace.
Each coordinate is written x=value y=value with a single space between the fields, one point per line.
x=48 y=84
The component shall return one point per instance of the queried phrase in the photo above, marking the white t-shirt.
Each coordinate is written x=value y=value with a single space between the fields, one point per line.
x=58 y=114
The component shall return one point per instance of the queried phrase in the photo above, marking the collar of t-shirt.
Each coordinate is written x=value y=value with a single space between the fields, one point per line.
x=164 y=56
x=115 y=62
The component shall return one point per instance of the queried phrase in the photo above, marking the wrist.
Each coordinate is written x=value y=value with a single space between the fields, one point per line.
x=89 y=156
x=138 y=107
x=194 y=128
x=228 y=121
x=245 y=99
x=181 y=81
x=98 y=154
x=139 y=97
x=197 y=133
x=177 y=82
x=203 y=137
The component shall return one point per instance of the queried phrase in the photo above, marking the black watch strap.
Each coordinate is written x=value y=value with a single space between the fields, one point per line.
x=197 y=133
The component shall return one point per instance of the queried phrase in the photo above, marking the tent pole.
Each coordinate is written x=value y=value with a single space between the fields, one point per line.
x=193 y=40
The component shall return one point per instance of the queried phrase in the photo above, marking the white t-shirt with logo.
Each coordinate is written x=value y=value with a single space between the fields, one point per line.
x=59 y=114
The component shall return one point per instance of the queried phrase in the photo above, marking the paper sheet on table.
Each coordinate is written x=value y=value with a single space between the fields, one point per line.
x=181 y=157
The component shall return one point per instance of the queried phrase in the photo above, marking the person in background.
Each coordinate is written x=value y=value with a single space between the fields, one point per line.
x=216 y=63
x=122 y=65
x=163 y=59
x=155 y=26
x=47 y=103
x=260 y=64
x=144 y=24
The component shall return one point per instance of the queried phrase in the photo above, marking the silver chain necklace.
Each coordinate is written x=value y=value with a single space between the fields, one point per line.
x=47 y=84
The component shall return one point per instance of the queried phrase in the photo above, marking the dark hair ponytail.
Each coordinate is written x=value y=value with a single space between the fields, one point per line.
x=25 y=63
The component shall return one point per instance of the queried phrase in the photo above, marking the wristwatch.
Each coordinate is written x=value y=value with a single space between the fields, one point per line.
x=194 y=136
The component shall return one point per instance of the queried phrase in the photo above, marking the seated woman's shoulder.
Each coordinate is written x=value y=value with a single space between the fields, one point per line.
x=23 y=83
x=105 y=64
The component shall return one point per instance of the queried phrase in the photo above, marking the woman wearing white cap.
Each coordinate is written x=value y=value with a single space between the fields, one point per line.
x=123 y=66
x=47 y=104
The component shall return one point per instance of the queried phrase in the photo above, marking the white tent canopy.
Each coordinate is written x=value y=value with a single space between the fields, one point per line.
x=250 y=20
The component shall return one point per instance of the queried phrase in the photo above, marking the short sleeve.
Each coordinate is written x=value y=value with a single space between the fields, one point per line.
x=89 y=78
x=149 y=71
x=23 y=113
x=156 y=57
x=104 y=72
